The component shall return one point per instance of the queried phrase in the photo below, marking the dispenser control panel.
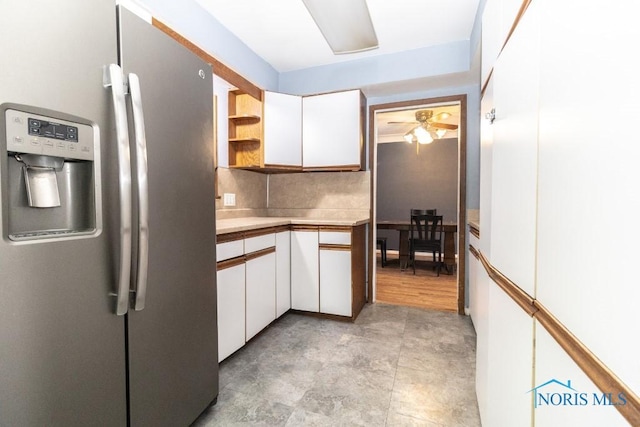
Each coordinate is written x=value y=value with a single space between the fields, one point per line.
x=36 y=134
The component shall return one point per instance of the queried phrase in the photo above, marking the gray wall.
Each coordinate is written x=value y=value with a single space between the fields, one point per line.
x=424 y=181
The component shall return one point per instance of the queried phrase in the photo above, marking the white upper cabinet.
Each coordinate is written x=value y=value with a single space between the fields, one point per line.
x=332 y=131
x=282 y=130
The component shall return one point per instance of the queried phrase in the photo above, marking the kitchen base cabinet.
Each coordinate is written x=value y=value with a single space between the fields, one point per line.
x=261 y=291
x=231 y=308
x=328 y=272
x=335 y=281
x=305 y=270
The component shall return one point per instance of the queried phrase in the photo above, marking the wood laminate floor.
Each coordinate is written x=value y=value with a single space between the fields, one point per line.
x=423 y=290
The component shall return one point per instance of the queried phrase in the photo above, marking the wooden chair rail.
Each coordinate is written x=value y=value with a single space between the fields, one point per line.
x=598 y=372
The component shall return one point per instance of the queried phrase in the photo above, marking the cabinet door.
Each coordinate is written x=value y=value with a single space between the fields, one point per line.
x=335 y=282
x=282 y=123
x=305 y=280
x=332 y=130
x=588 y=182
x=231 y=310
x=261 y=293
x=283 y=272
x=515 y=154
x=508 y=348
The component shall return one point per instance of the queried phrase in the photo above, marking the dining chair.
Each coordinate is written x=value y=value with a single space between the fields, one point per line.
x=423 y=212
x=425 y=235
x=382 y=242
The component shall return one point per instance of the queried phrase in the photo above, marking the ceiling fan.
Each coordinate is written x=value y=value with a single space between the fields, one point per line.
x=428 y=127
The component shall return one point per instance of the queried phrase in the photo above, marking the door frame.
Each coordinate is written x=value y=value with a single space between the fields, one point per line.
x=462 y=185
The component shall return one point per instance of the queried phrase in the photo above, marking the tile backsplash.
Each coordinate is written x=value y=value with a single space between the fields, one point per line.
x=250 y=189
x=308 y=194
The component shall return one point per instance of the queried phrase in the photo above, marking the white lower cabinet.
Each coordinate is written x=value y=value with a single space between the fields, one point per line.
x=231 y=310
x=261 y=293
x=305 y=269
x=335 y=282
x=283 y=272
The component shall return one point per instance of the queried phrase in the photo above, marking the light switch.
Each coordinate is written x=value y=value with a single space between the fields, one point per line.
x=229 y=199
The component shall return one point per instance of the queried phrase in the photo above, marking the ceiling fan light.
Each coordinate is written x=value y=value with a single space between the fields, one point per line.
x=345 y=25
x=408 y=137
x=422 y=135
x=441 y=132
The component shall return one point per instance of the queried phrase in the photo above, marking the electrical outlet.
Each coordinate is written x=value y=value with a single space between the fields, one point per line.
x=229 y=199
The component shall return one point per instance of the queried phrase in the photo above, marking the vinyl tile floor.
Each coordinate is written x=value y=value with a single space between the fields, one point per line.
x=394 y=366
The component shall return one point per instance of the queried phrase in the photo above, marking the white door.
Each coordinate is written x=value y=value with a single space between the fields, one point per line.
x=231 y=310
x=305 y=281
x=282 y=129
x=261 y=293
x=332 y=129
x=335 y=282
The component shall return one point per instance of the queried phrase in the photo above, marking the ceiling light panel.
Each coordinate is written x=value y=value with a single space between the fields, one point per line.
x=345 y=24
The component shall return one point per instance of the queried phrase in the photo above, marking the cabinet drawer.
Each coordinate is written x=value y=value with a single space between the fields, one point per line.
x=229 y=250
x=335 y=237
x=257 y=243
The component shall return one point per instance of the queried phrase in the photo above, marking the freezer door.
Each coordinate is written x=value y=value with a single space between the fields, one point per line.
x=172 y=342
x=62 y=358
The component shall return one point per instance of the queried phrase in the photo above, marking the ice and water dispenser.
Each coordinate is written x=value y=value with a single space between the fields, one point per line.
x=49 y=174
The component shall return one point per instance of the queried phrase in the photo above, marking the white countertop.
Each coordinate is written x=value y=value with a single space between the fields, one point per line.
x=233 y=225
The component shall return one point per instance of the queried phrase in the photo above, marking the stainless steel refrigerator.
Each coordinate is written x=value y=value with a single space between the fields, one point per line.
x=107 y=256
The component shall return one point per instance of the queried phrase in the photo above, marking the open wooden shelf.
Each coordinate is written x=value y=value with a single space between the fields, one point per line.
x=244 y=140
x=245 y=131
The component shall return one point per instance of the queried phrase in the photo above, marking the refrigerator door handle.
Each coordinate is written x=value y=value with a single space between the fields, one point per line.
x=113 y=78
x=143 y=192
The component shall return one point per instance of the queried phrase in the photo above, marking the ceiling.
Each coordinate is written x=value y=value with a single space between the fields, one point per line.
x=394 y=132
x=283 y=33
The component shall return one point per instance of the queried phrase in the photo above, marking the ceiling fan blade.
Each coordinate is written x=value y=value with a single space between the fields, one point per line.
x=402 y=123
x=443 y=126
x=440 y=116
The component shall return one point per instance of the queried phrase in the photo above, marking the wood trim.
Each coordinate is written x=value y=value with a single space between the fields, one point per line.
x=301 y=227
x=597 y=371
x=229 y=237
x=484 y=86
x=594 y=368
x=518 y=295
x=219 y=69
x=358 y=271
x=333 y=247
x=523 y=8
x=281 y=228
x=261 y=252
x=257 y=232
x=474 y=231
x=462 y=179
x=340 y=168
x=283 y=168
x=335 y=228
x=228 y=263
x=473 y=251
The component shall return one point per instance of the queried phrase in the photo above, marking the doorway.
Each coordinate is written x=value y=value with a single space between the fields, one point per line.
x=454 y=209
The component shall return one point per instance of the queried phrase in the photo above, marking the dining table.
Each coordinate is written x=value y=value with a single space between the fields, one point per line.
x=403 y=226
